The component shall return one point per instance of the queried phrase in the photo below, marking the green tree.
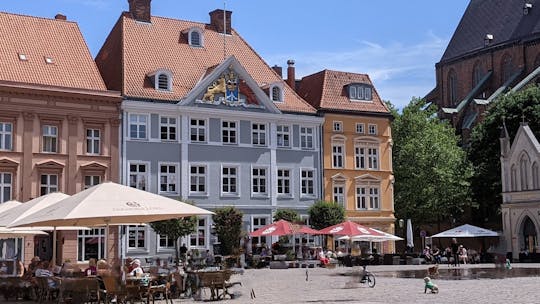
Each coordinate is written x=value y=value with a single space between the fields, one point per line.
x=430 y=169
x=176 y=228
x=228 y=222
x=286 y=214
x=323 y=214
x=484 y=150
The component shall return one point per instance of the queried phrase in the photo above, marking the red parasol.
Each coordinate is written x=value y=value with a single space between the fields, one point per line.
x=350 y=228
x=282 y=227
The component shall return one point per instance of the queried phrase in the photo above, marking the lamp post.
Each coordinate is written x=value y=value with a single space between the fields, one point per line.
x=401 y=223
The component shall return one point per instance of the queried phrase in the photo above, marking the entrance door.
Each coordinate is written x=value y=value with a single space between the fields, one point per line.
x=529 y=235
x=43 y=247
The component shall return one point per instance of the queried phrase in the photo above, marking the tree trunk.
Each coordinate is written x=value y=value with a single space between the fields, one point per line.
x=177 y=255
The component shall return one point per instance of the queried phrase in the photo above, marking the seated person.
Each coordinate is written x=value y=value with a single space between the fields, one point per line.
x=436 y=253
x=34 y=264
x=92 y=269
x=322 y=257
x=136 y=270
x=427 y=254
x=462 y=253
x=44 y=271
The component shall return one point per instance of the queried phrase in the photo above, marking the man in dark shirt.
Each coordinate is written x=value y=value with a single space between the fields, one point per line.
x=455 y=250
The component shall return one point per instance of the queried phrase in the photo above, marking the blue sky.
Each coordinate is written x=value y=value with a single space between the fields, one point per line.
x=396 y=42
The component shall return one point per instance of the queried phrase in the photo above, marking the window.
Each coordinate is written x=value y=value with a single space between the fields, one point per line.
x=535 y=176
x=513 y=178
x=372 y=129
x=91 y=244
x=229 y=132
x=229 y=181
x=258 y=134
x=477 y=74
x=360 y=128
x=259 y=222
x=360 y=92
x=93 y=141
x=276 y=94
x=307 y=181
x=258 y=182
x=91 y=180
x=198 y=130
x=49 y=184
x=452 y=87
x=5 y=186
x=168 y=179
x=337 y=156
x=198 y=239
x=283 y=136
x=138 y=176
x=339 y=194
x=136 y=237
x=197 y=179
x=166 y=242
x=163 y=82
x=195 y=37
x=524 y=172
x=367 y=197
x=306 y=138
x=507 y=68
x=168 y=128
x=6 y=136
x=137 y=126
x=284 y=182
x=338 y=126
x=366 y=155
x=50 y=138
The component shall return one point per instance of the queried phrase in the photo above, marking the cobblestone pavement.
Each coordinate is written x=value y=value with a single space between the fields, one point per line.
x=340 y=285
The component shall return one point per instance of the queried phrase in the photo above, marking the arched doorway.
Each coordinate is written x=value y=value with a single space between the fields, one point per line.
x=529 y=235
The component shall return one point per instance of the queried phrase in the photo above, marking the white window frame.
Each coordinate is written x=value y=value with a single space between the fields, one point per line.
x=258 y=135
x=91 y=180
x=372 y=129
x=228 y=132
x=201 y=227
x=140 y=122
x=360 y=92
x=339 y=198
x=258 y=181
x=171 y=178
x=276 y=97
x=283 y=182
x=373 y=158
x=171 y=128
x=359 y=156
x=368 y=94
x=360 y=128
x=230 y=176
x=368 y=195
x=201 y=37
x=167 y=240
x=6 y=187
x=305 y=181
x=93 y=233
x=6 y=136
x=283 y=136
x=93 y=141
x=200 y=130
x=140 y=177
x=49 y=138
x=198 y=177
x=48 y=186
x=256 y=241
x=338 y=156
x=370 y=158
x=338 y=126
x=305 y=136
x=137 y=229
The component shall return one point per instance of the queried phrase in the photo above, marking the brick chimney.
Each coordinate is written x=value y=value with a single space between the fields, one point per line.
x=278 y=70
x=60 y=17
x=216 y=20
x=291 y=81
x=140 y=10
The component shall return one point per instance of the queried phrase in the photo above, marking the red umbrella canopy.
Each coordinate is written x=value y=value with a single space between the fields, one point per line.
x=282 y=227
x=351 y=229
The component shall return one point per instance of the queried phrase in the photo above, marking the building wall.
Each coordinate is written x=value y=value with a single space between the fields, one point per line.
x=383 y=217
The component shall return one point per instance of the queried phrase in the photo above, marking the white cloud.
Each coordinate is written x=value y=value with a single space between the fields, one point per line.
x=398 y=71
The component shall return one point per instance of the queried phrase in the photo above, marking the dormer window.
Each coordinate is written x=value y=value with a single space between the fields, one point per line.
x=22 y=57
x=162 y=80
x=275 y=92
x=195 y=37
x=360 y=92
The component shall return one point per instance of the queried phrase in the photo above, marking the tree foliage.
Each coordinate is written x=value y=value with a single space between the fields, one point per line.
x=484 y=151
x=228 y=222
x=286 y=214
x=431 y=171
x=323 y=214
x=176 y=228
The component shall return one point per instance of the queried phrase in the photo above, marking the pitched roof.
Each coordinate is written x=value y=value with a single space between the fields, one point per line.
x=504 y=19
x=162 y=44
x=327 y=90
x=40 y=38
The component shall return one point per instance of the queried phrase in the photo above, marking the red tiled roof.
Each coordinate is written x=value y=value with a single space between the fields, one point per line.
x=162 y=44
x=38 y=38
x=327 y=90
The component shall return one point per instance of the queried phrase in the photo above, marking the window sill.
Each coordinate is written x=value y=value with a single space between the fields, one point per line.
x=225 y=195
x=259 y=196
x=198 y=195
x=283 y=196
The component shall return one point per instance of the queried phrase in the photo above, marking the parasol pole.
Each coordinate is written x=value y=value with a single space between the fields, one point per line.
x=54 y=246
x=106 y=255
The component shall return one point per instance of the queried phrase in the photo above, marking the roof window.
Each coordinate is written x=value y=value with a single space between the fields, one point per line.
x=22 y=57
x=276 y=93
x=360 y=92
x=195 y=37
x=162 y=80
x=49 y=60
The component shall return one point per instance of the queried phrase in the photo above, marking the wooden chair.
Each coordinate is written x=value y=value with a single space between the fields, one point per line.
x=114 y=290
x=79 y=290
x=44 y=291
x=177 y=285
x=155 y=288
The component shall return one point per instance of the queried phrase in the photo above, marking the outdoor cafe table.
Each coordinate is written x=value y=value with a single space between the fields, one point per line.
x=215 y=280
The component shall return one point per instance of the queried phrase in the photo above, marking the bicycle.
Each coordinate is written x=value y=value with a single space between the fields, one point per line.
x=367 y=277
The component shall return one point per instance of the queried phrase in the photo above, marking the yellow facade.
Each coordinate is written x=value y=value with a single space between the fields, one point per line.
x=365 y=176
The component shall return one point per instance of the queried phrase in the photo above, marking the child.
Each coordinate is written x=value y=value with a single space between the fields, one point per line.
x=429 y=285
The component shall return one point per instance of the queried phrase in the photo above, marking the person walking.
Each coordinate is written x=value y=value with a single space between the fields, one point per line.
x=455 y=252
